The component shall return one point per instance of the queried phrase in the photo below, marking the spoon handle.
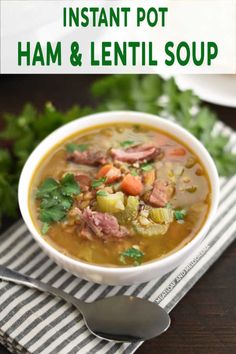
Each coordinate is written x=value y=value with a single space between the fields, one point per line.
x=18 y=278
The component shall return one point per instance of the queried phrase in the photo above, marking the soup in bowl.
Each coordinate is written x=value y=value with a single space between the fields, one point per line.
x=119 y=197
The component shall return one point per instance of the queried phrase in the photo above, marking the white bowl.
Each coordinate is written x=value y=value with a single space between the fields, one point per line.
x=113 y=275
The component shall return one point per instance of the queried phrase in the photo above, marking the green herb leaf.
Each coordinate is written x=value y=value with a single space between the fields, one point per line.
x=98 y=182
x=180 y=214
x=69 y=186
x=49 y=201
x=53 y=214
x=71 y=147
x=8 y=195
x=127 y=143
x=5 y=160
x=45 y=228
x=56 y=199
x=102 y=193
x=146 y=166
x=133 y=172
x=134 y=253
x=49 y=185
x=66 y=202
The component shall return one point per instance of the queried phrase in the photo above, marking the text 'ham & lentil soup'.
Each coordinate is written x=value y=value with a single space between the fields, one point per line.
x=120 y=195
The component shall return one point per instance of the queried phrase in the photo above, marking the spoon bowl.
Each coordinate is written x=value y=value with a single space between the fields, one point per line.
x=126 y=319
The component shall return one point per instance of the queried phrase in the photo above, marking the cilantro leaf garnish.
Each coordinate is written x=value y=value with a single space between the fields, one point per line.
x=71 y=147
x=45 y=228
x=49 y=185
x=102 y=193
x=56 y=199
x=98 y=182
x=133 y=172
x=66 y=202
x=69 y=186
x=127 y=143
x=146 y=166
x=180 y=214
x=53 y=214
x=133 y=253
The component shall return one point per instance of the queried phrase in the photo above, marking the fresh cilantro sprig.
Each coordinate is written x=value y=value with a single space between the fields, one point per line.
x=49 y=185
x=69 y=186
x=71 y=147
x=56 y=199
x=146 y=166
x=127 y=143
x=133 y=172
x=98 y=182
x=180 y=215
x=132 y=253
x=102 y=193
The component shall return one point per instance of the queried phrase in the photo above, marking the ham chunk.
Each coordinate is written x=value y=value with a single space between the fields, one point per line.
x=88 y=157
x=84 y=181
x=137 y=153
x=103 y=225
x=86 y=233
x=161 y=193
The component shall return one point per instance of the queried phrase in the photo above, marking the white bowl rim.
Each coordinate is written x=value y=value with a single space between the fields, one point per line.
x=112 y=117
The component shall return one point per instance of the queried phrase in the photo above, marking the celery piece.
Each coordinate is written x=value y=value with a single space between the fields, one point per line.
x=150 y=230
x=130 y=212
x=131 y=209
x=162 y=215
x=111 y=203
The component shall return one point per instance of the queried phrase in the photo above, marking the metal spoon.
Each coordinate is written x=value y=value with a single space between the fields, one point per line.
x=119 y=318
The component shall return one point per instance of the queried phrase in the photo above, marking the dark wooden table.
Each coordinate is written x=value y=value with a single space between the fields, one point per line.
x=205 y=320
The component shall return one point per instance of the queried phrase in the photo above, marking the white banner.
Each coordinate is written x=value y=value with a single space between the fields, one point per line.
x=89 y=36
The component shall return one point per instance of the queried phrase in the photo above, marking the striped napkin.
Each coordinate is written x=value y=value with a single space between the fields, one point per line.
x=34 y=322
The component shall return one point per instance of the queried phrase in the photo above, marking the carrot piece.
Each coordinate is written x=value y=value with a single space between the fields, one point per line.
x=113 y=175
x=132 y=185
x=104 y=170
x=178 y=151
x=110 y=172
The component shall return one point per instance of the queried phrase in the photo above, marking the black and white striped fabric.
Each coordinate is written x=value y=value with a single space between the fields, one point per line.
x=33 y=322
